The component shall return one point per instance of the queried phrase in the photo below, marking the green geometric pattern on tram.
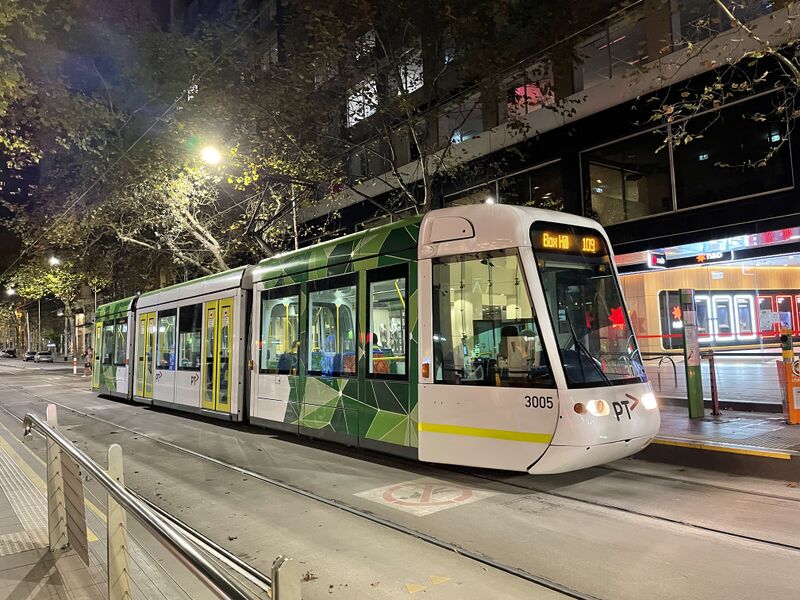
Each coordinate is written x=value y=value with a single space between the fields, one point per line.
x=384 y=245
x=330 y=404
x=108 y=378
x=393 y=413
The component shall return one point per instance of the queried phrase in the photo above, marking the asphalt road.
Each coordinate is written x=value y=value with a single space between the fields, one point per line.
x=629 y=531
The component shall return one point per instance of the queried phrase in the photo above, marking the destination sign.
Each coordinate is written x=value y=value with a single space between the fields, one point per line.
x=568 y=242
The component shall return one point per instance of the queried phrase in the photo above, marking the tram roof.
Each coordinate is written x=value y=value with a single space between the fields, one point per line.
x=372 y=243
x=216 y=282
x=114 y=309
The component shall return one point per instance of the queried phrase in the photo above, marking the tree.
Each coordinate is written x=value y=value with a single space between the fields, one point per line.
x=753 y=64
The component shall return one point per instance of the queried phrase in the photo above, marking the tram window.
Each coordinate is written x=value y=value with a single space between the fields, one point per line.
x=107 y=347
x=280 y=336
x=484 y=329
x=386 y=340
x=332 y=332
x=165 y=352
x=596 y=344
x=190 y=323
x=120 y=341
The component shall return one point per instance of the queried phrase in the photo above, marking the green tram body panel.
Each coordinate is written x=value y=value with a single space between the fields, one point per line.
x=359 y=410
x=355 y=410
x=104 y=376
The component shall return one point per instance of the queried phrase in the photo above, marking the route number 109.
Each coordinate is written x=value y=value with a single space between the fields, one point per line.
x=539 y=401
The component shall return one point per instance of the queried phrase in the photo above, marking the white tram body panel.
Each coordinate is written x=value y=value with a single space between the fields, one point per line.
x=200 y=365
x=523 y=426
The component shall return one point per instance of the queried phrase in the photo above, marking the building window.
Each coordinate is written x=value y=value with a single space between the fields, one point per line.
x=630 y=179
x=540 y=187
x=743 y=150
x=280 y=334
x=484 y=332
x=483 y=194
x=616 y=49
x=387 y=339
x=190 y=323
x=411 y=73
x=332 y=332
x=701 y=19
x=365 y=45
x=165 y=351
x=362 y=101
x=530 y=91
x=108 y=343
x=120 y=342
x=460 y=122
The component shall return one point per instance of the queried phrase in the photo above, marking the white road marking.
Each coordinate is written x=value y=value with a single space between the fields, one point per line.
x=425 y=496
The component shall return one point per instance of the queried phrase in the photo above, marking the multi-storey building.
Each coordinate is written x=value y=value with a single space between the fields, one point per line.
x=576 y=126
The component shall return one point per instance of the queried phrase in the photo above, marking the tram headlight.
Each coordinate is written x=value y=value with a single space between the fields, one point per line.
x=649 y=401
x=598 y=408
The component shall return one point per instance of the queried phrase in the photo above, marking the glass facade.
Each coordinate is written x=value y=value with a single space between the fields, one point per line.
x=630 y=179
x=615 y=49
x=740 y=151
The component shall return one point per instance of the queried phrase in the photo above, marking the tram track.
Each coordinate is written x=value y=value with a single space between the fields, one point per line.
x=439 y=542
x=468 y=553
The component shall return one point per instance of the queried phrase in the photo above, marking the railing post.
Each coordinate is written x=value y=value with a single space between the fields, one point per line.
x=56 y=509
x=714 y=393
x=285 y=579
x=119 y=583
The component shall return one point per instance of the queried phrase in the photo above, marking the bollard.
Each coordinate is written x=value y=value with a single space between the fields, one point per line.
x=74 y=366
x=714 y=393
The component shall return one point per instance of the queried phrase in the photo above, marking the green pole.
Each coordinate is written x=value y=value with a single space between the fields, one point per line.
x=691 y=356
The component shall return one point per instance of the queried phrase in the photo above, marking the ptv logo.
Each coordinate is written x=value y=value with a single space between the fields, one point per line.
x=625 y=407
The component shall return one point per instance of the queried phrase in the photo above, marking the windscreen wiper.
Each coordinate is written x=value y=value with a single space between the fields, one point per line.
x=583 y=349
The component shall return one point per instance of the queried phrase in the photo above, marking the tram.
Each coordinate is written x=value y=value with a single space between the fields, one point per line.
x=491 y=336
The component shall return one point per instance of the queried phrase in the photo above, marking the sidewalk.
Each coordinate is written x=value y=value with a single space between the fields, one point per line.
x=28 y=570
x=746 y=443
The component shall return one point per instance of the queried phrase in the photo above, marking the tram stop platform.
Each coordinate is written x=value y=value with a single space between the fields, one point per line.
x=758 y=444
x=28 y=569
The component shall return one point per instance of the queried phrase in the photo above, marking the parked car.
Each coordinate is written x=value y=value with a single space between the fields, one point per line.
x=29 y=355
x=43 y=357
x=9 y=353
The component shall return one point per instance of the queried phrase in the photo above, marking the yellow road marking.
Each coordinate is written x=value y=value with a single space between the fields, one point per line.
x=39 y=482
x=413 y=588
x=719 y=448
x=437 y=579
x=496 y=434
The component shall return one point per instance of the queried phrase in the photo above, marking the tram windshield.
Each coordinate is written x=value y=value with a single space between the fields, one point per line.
x=594 y=335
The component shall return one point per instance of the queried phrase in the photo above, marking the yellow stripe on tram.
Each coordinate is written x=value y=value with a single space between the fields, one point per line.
x=496 y=434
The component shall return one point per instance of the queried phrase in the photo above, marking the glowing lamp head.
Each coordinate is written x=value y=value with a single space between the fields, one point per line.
x=211 y=155
x=649 y=401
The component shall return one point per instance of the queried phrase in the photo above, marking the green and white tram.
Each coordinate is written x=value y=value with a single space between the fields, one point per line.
x=363 y=340
x=113 y=348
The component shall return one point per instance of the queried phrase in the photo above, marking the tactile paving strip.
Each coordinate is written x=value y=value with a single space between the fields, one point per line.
x=28 y=503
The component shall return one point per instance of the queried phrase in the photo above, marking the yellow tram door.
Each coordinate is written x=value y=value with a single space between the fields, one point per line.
x=98 y=340
x=145 y=354
x=218 y=331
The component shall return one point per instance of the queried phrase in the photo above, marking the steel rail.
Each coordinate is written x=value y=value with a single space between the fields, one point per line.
x=220 y=585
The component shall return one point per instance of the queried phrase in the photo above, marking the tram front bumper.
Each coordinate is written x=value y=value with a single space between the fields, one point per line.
x=561 y=459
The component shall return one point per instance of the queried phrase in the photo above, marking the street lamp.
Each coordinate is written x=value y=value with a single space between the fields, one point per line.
x=10 y=292
x=211 y=155
x=54 y=262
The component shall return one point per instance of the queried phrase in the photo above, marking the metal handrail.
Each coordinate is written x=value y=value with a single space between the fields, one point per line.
x=163 y=531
